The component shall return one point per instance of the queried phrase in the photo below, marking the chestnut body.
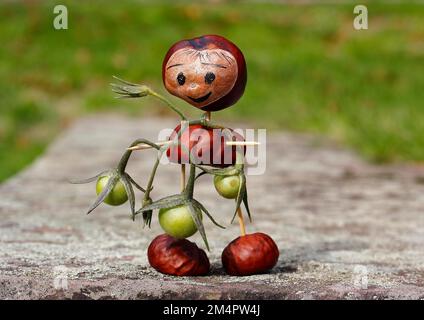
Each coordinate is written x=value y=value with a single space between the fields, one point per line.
x=209 y=144
x=178 y=257
x=250 y=254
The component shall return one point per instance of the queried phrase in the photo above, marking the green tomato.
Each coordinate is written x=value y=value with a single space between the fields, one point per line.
x=177 y=221
x=117 y=196
x=227 y=186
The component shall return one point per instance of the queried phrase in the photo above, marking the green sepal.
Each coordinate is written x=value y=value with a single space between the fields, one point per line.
x=240 y=195
x=147 y=215
x=202 y=208
x=130 y=193
x=114 y=178
x=167 y=202
x=246 y=205
x=147 y=218
x=136 y=184
x=229 y=171
x=88 y=180
x=198 y=221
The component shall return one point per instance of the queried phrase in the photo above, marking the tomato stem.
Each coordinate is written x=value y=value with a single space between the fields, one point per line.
x=189 y=190
x=168 y=103
x=152 y=176
x=183 y=126
x=206 y=123
x=126 y=156
x=126 y=89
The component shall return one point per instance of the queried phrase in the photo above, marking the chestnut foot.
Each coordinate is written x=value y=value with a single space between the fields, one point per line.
x=177 y=257
x=250 y=254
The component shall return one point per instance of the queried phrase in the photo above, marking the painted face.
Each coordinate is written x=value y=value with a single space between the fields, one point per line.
x=200 y=77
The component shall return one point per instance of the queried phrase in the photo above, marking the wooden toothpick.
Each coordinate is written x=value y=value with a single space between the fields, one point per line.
x=241 y=222
x=162 y=143
x=183 y=177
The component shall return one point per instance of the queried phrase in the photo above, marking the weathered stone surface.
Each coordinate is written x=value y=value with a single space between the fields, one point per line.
x=332 y=215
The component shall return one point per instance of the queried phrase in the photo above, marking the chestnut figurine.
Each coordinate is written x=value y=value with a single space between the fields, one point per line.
x=209 y=72
x=178 y=257
x=250 y=254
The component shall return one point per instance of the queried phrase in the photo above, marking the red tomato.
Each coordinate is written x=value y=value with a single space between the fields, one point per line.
x=207 y=146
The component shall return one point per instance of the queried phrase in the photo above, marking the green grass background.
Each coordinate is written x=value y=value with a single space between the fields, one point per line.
x=309 y=70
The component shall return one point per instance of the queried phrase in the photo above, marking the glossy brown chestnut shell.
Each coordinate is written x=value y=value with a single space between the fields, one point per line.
x=250 y=254
x=178 y=257
x=205 y=47
x=204 y=140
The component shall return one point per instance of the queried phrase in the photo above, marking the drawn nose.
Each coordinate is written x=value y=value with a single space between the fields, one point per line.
x=193 y=85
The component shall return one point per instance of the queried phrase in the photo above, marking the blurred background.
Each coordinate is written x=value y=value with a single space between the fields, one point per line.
x=309 y=69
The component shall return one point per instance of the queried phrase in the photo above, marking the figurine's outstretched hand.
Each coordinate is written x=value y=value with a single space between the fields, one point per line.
x=126 y=89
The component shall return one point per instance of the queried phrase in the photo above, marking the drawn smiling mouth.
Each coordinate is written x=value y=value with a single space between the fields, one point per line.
x=201 y=99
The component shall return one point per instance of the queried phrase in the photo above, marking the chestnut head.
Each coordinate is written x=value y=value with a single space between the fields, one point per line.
x=209 y=72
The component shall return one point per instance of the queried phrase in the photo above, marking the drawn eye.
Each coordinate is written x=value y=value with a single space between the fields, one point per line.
x=181 y=78
x=209 y=77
